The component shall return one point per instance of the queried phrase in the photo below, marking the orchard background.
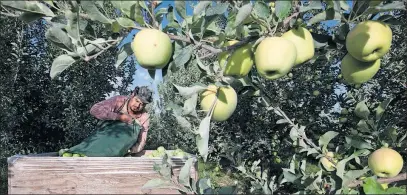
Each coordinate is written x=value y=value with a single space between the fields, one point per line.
x=273 y=141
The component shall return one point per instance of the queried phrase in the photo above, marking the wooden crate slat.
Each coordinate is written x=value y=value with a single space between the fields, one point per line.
x=86 y=175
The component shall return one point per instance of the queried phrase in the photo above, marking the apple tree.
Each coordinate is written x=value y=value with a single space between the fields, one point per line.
x=256 y=45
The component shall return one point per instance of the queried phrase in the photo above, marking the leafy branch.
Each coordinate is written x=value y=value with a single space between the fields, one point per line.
x=399 y=177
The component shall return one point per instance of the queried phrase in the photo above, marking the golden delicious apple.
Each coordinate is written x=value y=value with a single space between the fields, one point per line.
x=369 y=40
x=152 y=48
x=161 y=149
x=67 y=154
x=224 y=106
x=385 y=162
x=358 y=72
x=304 y=43
x=275 y=57
x=328 y=165
x=240 y=62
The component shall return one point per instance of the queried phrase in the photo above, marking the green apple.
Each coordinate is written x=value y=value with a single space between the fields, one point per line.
x=358 y=72
x=156 y=153
x=385 y=162
x=369 y=40
x=161 y=149
x=180 y=154
x=316 y=93
x=152 y=48
x=240 y=61
x=76 y=155
x=67 y=154
x=275 y=57
x=225 y=105
x=326 y=163
x=303 y=41
x=150 y=155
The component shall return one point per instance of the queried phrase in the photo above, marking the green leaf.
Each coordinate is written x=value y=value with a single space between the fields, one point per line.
x=143 y=5
x=396 y=5
x=344 y=5
x=326 y=138
x=371 y=186
x=283 y=8
x=89 y=49
x=159 y=15
x=391 y=20
x=125 y=22
x=180 y=6
x=184 y=175
x=203 y=185
x=93 y=12
x=157 y=183
x=182 y=121
x=29 y=17
x=329 y=14
x=190 y=105
x=184 y=56
x=243 y=13
x=124 y=6
x=361 y=110
x=219 y=8
x=202 y=139
x=201 y=6
x=73 y=24
x=60 y=38
x=124 y=52
x=311 y=6
x=382 y=108
x=396 y=190
x=352 y=175
x=189 y=91
x=29 y=6
x=289 y=176
x=261 y=10
x=358 y=143
x=340 y=167
x=60 y=64
x=363 y=126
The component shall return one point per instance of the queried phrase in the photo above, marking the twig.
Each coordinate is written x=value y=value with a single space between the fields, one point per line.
x=399 y=177
x=152 y=15
x=302 y=134
x=88 y=58
x=9 y=14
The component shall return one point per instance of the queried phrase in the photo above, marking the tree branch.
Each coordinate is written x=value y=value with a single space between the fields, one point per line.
x=213 y=50
x=400 y=177
x=9 y=14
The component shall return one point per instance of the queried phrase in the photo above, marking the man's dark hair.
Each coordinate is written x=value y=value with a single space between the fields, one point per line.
x=144 y=94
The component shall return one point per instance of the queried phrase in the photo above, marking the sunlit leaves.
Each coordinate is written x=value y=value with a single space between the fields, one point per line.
x=61 y=63
x=94 y=13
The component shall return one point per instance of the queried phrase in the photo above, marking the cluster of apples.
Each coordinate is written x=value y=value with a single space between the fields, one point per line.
x=273 y=58
x=366 y=44
x=64 y=153
x=383 y=162
x=161 y=151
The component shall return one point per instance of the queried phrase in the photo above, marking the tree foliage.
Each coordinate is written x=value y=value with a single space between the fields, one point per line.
x=281 y=127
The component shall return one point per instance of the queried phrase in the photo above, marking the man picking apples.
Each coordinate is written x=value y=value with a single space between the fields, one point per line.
x=126 y=109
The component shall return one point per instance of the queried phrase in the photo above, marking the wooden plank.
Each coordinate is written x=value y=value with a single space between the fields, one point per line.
x=86 y=175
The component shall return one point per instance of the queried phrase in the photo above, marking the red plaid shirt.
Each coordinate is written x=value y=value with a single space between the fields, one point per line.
x=109 y=110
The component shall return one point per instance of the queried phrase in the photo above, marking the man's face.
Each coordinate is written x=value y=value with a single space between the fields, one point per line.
x=135 y=104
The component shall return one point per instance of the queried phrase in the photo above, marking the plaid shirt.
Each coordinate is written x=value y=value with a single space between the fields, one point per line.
x=109 y=110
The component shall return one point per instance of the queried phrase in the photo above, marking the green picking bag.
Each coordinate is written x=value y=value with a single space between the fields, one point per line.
x=112 y=139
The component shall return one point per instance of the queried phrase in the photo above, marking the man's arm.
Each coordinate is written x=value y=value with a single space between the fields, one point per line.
x=106 y=109
x=142 y=139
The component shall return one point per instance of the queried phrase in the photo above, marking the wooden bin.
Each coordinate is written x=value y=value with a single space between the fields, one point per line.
x=87 y=175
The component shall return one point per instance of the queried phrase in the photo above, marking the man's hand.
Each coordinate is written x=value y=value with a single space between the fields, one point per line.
x=126 y=118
